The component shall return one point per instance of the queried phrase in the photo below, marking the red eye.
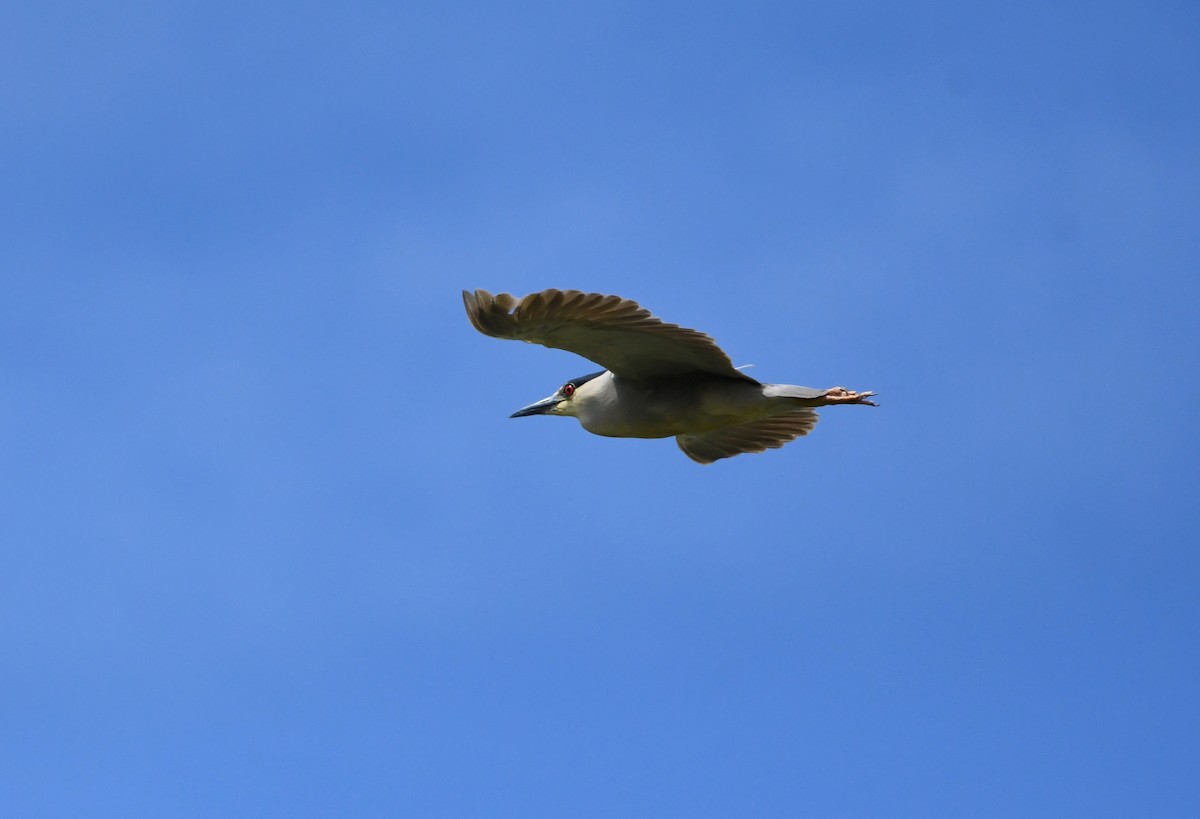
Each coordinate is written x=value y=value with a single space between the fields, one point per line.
x=568 y=390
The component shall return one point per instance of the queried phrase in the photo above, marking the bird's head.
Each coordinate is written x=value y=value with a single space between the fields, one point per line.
x=562 y=402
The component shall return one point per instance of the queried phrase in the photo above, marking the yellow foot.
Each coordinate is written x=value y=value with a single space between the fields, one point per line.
x=841 y=395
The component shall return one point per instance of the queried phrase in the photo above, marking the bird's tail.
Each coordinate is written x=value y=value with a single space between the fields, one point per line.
x=806 y=394
x=808 y=397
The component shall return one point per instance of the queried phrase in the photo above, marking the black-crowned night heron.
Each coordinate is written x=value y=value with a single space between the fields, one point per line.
x=659 y=380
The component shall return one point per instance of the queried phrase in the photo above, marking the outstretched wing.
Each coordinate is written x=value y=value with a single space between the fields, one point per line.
x=755 y=436
x=616 y=333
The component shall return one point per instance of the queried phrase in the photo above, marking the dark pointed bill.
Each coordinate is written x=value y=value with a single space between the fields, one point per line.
x=538 y=407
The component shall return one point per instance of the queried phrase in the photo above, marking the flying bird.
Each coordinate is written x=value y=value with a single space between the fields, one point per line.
x=659 y=379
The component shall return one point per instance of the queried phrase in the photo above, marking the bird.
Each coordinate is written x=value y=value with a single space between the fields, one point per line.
x=659 y=380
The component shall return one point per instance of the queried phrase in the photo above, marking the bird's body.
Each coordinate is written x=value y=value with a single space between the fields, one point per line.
x=665 y=407
x=662 y=380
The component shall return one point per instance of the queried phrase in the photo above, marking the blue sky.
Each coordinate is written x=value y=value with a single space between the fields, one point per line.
x=273 y=547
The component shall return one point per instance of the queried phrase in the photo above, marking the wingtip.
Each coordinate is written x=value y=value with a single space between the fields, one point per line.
x=474 y=309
